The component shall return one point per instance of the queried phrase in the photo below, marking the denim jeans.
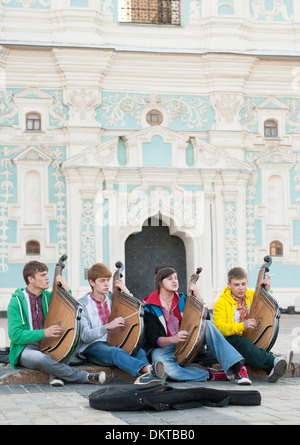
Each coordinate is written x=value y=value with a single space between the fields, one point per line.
x=218 y=346
x=101 y=354
x=32 y=358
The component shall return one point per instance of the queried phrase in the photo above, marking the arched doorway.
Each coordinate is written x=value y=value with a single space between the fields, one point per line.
x=152 y=247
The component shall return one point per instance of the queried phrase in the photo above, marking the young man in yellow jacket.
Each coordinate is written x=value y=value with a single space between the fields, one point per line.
x=230 y=315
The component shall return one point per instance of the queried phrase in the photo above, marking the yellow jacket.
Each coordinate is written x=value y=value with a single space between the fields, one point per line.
x=225 y=314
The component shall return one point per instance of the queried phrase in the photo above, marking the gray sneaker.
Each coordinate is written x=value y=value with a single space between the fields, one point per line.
x=158 y=370
x=96 y=379
x=280 y=367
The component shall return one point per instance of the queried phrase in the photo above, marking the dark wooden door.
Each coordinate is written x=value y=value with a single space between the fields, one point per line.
x=153 y=247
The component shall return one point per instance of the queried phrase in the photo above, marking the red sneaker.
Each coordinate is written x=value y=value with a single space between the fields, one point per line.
x=242 y=377
x=217 y=375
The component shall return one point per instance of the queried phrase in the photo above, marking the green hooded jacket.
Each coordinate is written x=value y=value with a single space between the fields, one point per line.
x=19 y=330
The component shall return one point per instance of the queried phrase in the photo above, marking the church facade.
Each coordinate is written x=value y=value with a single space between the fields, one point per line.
x=152 y=133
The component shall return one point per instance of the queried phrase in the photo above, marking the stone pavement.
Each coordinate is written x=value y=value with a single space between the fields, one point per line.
x=40 y=404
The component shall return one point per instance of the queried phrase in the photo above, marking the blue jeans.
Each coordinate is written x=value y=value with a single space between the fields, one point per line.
x=32 y=358
x=218 y=346
x=101 y=354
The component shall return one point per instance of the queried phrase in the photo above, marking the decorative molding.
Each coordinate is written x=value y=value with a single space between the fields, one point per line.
x=231 y=238
x=209 y=156
x=195 y=8
x=96 y=156
x=191 y=110
x=6 y=195
x=272 y=153
x=82 y=105
x=32 y=153
x=227 y=108
x=60 y=195
x=9 y=109
x=26 y=4
x=88 y=233
x=279 y=7
x=250 y=220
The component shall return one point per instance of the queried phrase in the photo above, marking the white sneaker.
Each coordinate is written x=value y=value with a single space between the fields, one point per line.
x=54 y=381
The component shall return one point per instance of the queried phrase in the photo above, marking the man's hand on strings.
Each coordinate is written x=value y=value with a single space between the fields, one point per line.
x=250 y=324
x=116 y=323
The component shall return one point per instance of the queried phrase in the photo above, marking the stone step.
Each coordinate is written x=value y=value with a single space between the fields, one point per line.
x=23 y=376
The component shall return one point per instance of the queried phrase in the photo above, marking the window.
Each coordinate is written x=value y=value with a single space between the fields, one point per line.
x=33 y=248
x=276 y=248
x=33 y=121
x=162 y=12
x=271 y=129
x=154 y=117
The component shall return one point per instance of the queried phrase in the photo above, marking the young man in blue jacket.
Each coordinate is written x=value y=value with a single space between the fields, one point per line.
x=95 y=325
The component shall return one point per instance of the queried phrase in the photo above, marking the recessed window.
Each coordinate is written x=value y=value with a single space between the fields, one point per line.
x=276 y=248
x=154 y=117
x=33 y=121
x=161 y=12
x=271 y=129
x=33 y=248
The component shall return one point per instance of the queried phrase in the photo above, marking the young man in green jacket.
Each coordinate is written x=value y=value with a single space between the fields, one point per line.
x=26 y=313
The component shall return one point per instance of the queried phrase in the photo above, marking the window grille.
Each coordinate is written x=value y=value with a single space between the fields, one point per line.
x=162 y=12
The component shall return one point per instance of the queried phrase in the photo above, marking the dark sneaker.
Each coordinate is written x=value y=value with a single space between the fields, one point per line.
x=280 y=367
x=156 y=375
x=148 y=379
x=96 y=379
x=242 y=377
x=158 y=370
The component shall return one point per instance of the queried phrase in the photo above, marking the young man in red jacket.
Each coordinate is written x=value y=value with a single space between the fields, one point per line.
x=163 y=313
